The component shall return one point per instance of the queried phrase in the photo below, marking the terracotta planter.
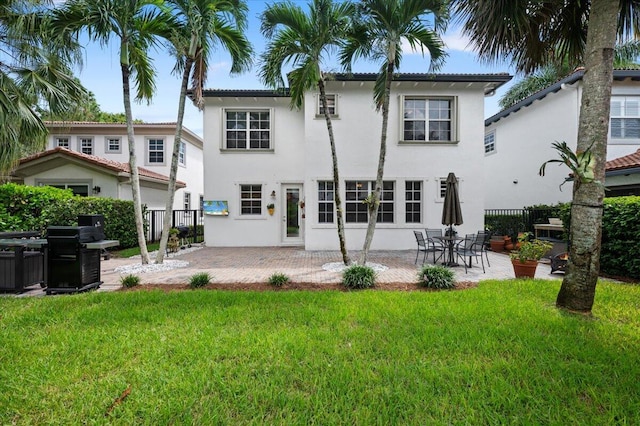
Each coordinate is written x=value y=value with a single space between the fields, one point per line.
x=524 y=270
x=271 y=211
x=497 y=244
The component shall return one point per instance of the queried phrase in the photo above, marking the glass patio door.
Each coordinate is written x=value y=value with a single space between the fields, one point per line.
x=292 y=228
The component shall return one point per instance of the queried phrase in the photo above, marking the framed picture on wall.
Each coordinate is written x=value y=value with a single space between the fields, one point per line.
x=216 y=208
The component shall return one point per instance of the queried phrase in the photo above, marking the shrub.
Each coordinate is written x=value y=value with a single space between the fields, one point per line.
x=358 y=277
x=437 y=276
x=278 y=279
x=130 y=280
x=199 y=280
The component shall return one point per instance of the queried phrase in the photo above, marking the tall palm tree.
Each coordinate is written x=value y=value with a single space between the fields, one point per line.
x=382 y=27
x=626 y=56
x=35 y=68
x=137 y=25
x=200 y=26
x=533 y=33
x=305 y=40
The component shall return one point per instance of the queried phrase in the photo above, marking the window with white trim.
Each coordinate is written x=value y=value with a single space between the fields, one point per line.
x=182 y=154
x=79 y=189
x=113 y=144
x=250 y=199
x=86 y=145
x=62 y=142
x=357 y=211
x=442 y=187
x=413 y=201
x=187 y=201
x=155 y=151
x=247 y=129
x=332 y=104
x=428 y=119
x=625 y=117
x=326 y=201
x=490 y=142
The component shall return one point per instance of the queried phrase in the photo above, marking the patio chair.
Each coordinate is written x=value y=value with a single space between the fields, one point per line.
x=469 y=247
x=435 y=244
x=422 y=246
x=483 y=242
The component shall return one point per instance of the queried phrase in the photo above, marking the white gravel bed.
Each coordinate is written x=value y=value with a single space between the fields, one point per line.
x=138 y=268
x=339 y=267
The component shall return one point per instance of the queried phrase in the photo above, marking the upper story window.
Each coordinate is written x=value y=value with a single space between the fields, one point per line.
x=62 y=141
x=251 y=199
x=625 y=117
x=247 y=130
x=113 y=144
x=358 y=212
x=155 y=151
x=182 y=154
x=428 y=119
x=490 y=142
x=332 y=105
x=86 y=146
x=325 y=201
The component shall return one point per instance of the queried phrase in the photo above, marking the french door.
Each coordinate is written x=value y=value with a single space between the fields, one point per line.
x=292 y=217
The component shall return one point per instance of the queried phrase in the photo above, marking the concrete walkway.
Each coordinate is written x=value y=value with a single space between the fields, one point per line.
x=256 y=264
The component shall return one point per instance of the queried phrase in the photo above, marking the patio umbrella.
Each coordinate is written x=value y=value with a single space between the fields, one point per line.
x=451 y=211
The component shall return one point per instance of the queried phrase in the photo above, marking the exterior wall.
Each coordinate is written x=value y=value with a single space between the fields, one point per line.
x=617 y=147
x=302 y=155
x=108 y=183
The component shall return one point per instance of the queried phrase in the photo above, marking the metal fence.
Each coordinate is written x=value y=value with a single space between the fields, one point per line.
x=194 y=219
x=512 y=221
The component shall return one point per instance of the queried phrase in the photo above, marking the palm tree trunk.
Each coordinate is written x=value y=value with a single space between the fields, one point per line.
x=375 y=202
x=336 y=176
x=135 y=178
x=173 y=174
x=579 y=284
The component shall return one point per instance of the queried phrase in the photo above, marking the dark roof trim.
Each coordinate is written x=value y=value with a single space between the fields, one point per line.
x=556 y=87
x=619 y=172
x=211 y=93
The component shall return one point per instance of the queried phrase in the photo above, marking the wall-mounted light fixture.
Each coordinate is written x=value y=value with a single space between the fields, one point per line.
x=273 y=194
x=96 y=189
x=515 y=181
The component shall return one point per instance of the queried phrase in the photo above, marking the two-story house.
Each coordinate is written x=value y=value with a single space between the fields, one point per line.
x=92 y=159
x=518 y=140
x=259 y=151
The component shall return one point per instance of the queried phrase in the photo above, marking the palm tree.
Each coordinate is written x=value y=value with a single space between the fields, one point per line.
x=137 y=25
x=626 y=55
x=532 y=34
x=381 y=28
x=305 y=40
x=201 y=25
x=35 y=68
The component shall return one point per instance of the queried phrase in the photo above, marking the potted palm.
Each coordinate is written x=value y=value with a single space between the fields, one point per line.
x=525 y=260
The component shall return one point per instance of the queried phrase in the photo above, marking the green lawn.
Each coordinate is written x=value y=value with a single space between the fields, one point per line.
x=497 y=354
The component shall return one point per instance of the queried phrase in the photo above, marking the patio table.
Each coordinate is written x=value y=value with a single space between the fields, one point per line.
x=449 y=241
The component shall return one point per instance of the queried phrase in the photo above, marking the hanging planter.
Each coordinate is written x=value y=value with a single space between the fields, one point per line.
x=271 y=208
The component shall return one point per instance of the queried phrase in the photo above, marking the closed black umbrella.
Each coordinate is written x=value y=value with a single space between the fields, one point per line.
x=451 y=211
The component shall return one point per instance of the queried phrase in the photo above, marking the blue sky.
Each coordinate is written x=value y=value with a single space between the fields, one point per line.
x=101 y=74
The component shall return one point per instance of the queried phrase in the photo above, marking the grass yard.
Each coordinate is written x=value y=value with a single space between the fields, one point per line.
x=497 y=354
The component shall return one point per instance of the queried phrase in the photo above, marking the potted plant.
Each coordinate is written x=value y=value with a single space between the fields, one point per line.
x=270 y=208
x=525 y=260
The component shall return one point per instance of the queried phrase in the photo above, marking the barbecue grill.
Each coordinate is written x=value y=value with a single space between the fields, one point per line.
x=183 y=235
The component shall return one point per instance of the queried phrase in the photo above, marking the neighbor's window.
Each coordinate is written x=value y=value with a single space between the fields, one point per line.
x=248 y=130
x=86 y=146
x=428 y=119
x=250 y=199
x=113 y=144
x=62 y=142
x=81 y=190
x=625 y=117
x=357 y=211
x=187 y=201
x=155 y=151
x=413 y=201
x=182 y=154
x=325 y=201
x=490 y=142
x=331 y=105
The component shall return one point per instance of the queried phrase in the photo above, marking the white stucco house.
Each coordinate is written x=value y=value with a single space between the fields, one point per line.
x=258 y=151
x=518 y=140
x=102 y=168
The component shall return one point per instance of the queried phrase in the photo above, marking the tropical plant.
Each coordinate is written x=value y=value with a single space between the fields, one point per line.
x=381 y=28
x=357 y=277
x=137 y=25
x=278 y=279
x=581 y=164
x=530 y=249
x=304 y=40
x=130 y=280
x=586 y=32
x=200 y=279
x=36 y=68
x=201 y=25
x=436 y=276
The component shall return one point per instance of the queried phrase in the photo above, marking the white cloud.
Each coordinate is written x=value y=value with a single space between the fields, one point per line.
x=453 y=40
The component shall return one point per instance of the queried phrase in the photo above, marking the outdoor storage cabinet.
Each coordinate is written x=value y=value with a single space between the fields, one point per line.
x=20 y=269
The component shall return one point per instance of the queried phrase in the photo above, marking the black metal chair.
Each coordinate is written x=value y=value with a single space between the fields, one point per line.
x=483 y=242
x=422 y=246
x=469 y=247
x=434 y=244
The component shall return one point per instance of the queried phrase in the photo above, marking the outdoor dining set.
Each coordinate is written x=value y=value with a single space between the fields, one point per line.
x=449 y=247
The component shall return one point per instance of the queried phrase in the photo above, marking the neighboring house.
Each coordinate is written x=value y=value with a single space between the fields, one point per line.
x=154 y=146
x=518 y=140
x=623 y=176
x=259 y=152
x=91 y=175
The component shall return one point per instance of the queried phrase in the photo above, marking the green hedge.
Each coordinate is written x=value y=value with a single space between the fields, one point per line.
x=620 y=236
x=30 y=208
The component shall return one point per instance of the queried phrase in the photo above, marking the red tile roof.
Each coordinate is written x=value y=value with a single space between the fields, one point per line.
x=627 y=162
x=101 y=162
